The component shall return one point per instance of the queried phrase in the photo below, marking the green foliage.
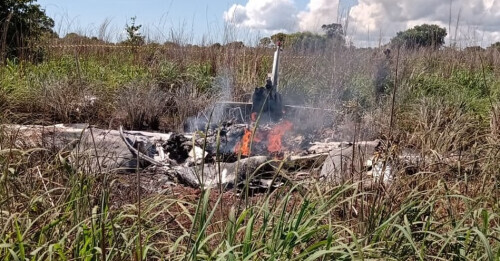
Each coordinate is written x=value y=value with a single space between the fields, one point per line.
x=463 y=88
x=308 y=41
x=74 y=38
x=168 y=75
x=495 y=45
x=265 y=42
x=23 y=24
x=29 y=76
x=235 y=45
x=134 y=37
x=201 y=75
x=335 y=33
x=425 y=35
x=51 y=209
x=301 y=41
x=279 y=37
x=359 y=89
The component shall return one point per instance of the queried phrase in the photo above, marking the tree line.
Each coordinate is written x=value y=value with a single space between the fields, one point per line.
x=24 y=24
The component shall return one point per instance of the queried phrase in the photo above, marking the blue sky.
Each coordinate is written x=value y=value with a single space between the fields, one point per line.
x=370 y=22
x=188 y=19
x=194 y=19
x=86 y=16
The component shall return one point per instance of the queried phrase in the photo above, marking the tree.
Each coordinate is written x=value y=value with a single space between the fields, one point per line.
x=473 y=49
x=134 y=37
x=335 y=33
x=265 y=42
x=171 y=44
x=495 y=46
x=425 y=35
x=307 y=41
x=216 y=46
x=279 y=37
x=235 y=45
x=23 y=24
x=300 y=41
x=74 y=38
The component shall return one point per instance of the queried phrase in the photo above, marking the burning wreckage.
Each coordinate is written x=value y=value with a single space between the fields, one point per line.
x=259 y=145
x=256 y=145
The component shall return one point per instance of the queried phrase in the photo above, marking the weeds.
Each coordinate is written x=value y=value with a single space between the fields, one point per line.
x=52 y=211
x=447 y=210
x=143 y=106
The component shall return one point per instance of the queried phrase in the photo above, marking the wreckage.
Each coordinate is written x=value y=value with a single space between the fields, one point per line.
x=197 y=160
x=258 y=147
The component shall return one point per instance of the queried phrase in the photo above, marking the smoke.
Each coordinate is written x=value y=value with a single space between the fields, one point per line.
x=223 y=82
x=215 y=113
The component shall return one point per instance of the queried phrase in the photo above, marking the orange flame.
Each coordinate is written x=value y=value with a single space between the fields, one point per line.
x=274 y=139
x=243 y=145
x=275 y=135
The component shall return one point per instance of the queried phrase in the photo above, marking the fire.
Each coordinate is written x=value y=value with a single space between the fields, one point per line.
x=275 y=135
x=258 y=137
x=243 y=145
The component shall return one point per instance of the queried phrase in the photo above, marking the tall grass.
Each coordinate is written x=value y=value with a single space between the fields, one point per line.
x=53 y=211
x=446 y=109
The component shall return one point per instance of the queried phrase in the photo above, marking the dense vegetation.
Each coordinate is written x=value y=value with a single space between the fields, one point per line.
x=446 y=107
x=425 y=35
x=23 y=26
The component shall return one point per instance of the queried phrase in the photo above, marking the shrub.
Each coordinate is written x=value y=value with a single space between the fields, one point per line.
x=201 y=75
x=167 y=74
x=142 y=104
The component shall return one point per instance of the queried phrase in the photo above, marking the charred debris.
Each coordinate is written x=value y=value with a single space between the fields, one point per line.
x=255 y=143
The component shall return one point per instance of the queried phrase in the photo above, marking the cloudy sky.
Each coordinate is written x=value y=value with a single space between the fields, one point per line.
x=468 y=22
x=368 y=22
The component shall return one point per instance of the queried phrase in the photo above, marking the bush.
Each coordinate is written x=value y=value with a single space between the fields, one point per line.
x=167 y=74
x=201 y=75
x=142 y=104
x=464 y=88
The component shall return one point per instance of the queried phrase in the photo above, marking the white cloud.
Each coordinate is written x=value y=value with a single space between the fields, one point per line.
x=319 y=12
x=478 y=20
x=237 y=14
x=267 y=15
x=282 y=15
x=374 y=21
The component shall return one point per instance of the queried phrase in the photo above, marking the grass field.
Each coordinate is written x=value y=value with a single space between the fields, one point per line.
x=446 y=107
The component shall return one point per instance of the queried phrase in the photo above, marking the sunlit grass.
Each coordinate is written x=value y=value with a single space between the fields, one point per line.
x=446 y=109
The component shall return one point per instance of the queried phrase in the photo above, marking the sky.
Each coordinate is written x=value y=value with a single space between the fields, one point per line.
x=367 y=22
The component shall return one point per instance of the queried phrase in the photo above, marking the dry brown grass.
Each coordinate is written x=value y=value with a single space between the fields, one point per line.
x=447 y=210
